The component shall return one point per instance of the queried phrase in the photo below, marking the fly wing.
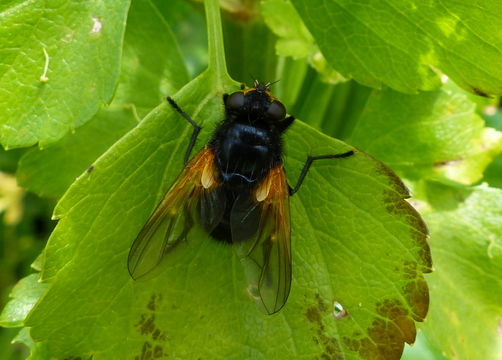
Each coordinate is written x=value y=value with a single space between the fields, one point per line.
x=261 y=232
x=195 y=195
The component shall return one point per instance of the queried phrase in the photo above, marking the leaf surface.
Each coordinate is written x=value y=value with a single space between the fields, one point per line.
x=437 y=134
x=79 y=43
x=401 y=43
x=364 y=248
x=466 y=287
x=147 y=76
x=294 y=39
x=49 y=172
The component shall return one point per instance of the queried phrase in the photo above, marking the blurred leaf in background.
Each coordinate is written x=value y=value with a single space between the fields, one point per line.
x=24 y=227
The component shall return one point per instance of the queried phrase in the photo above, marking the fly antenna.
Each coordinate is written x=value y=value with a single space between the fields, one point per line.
x=256 y=82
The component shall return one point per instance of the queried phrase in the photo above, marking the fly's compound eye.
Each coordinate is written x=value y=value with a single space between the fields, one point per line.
x=235 y=100
x=276 y=110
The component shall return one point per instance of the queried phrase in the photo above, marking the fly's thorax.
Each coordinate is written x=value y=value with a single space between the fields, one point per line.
x=244 y=153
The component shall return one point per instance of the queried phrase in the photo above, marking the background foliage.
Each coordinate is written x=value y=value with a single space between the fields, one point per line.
x=415 y=86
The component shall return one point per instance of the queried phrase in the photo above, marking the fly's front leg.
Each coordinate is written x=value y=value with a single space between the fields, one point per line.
x=196 y=127
x=308 y=164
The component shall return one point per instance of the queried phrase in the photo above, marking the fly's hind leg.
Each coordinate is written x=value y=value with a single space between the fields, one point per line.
x=196 y=127
x=308 y=164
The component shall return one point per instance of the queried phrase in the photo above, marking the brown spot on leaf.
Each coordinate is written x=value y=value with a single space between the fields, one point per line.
x=419 y=232
x=146 y=352
x=331 y=347
x=321 y=304
x=368 y=349
x=146 y=324
x=152 y=304
x=417 y=294
x=147 y=327
x=416 y=291
x=387 y=333
x=439 y=164
x=315 y=314
x=395 y=312
x=410 y=270
x=401 y=190
x=158 y=352
x=396 y=204
x=480 y=92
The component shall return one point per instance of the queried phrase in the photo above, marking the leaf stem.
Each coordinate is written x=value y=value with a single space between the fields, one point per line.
x=217 y=64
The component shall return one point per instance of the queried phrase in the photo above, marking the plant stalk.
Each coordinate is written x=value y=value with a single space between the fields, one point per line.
x=216 y=64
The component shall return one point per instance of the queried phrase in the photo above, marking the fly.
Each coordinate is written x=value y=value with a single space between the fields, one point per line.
x=236 y=189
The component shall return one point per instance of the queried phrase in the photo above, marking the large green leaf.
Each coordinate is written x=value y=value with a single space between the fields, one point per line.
x=82 y=41
x=147 y=76
x=466 y=286
x=432 y=134
x=364 y=248
x=401 y=43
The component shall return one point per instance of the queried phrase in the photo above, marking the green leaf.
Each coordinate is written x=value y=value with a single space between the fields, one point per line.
x=9 y=159
x=147 y=76
x=332 y=108
x=189 y=27
x=248 y=59
x=152 y=65
x=493 y=175
x=294 y=39
x=202 y=293
x=438 y=134
x=49 y=172
x=401 y=43
x=466 y=286
x=23 y=297
x=79 y=43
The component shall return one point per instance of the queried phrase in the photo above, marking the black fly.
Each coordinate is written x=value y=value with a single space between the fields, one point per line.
x=236 y=188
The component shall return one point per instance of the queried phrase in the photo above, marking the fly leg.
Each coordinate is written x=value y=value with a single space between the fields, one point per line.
x=308 y=164
x=196 y=127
